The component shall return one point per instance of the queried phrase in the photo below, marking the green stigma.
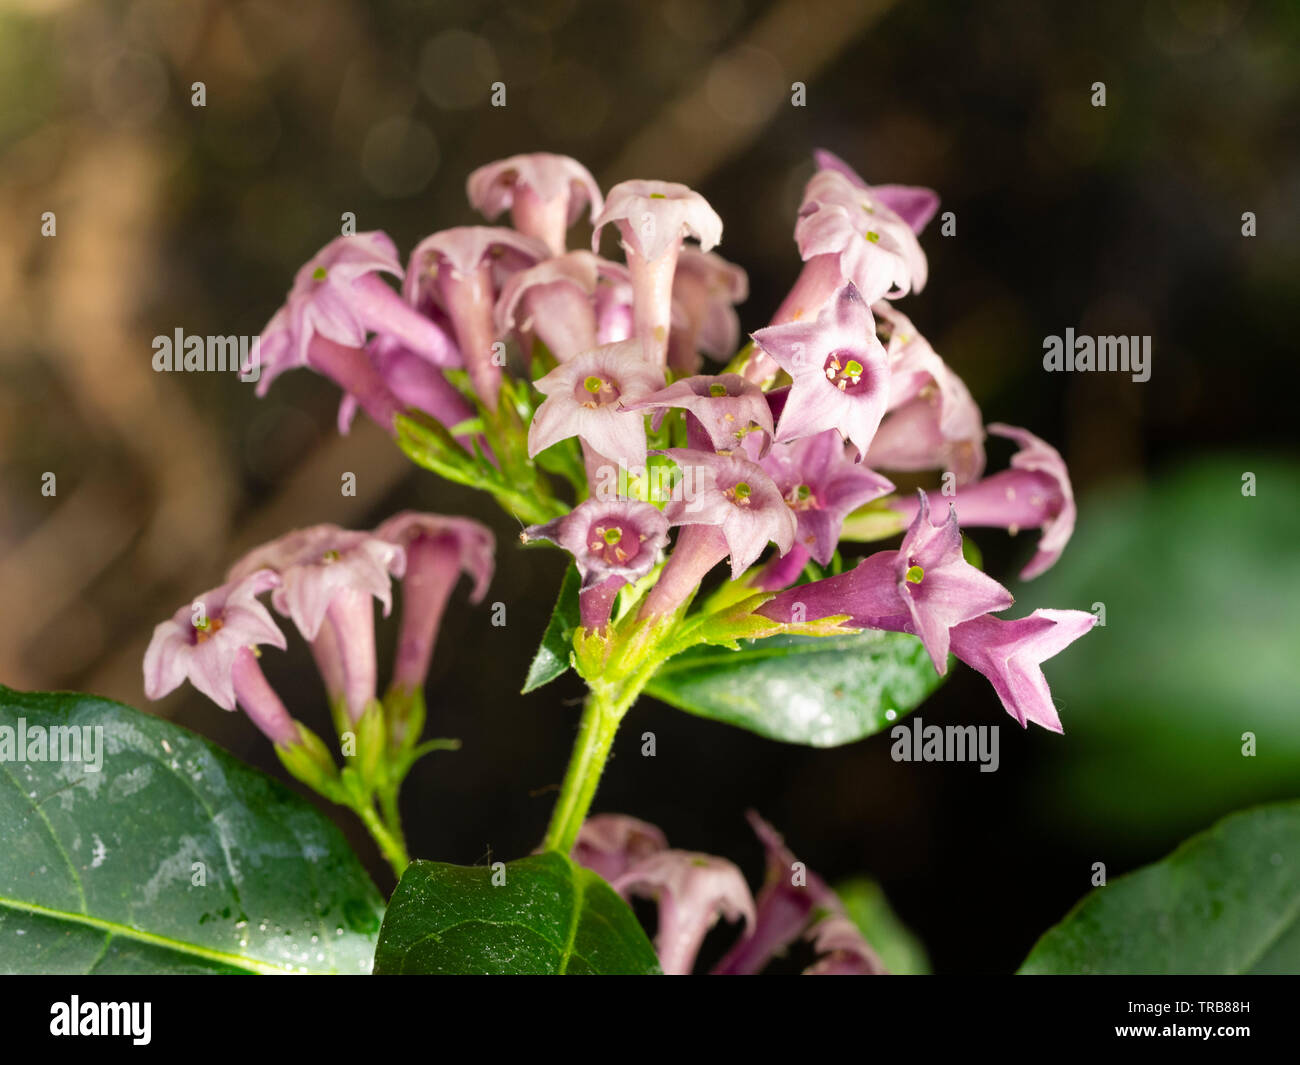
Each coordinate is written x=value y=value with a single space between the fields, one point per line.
x=873 y=236
x=658 y=196
x=319 y=274
x=915 y=574
x=330 y=556
x=802 y=492
x=717 y=390
x=612 y=536
x=593 y=384
x=742 y=490
x=853 y=369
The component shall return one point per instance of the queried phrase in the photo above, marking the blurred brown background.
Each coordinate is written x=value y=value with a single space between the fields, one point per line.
x=1123 y=219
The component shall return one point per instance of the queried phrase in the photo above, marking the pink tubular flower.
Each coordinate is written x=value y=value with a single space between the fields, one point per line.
x=728 y=506
x=739 y=498
x=611 y=844
x=822 y=485
x=914 y=204
x=211 y=644
x=693 y=891
x=336 y=299
x=438 y=549
x=839 y=369
x=932 y=422
x=554 y=301
x=582 y=399
x=938 y=586
x=706 y=289
x=843 y=950
x=925 y=587
x=1034 y=494
x=463 y=270
x=545 y=194
x=327 y=578
x=788 y=901
x=415 y=383
x=607 y=538
x=615 y=315
x=653 y=217
x=1009 y=654
x=848 y=232
x=727 y=406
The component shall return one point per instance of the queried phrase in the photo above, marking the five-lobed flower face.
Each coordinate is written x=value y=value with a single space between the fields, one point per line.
x=622 y=538
x=839 y=370
x=584 y=397
x=822 y=485
x=739 y=498
x=202 y=640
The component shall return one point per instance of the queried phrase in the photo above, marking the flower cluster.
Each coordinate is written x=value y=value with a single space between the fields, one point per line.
x=326 y=580
x=694 y=890
x=541 y=360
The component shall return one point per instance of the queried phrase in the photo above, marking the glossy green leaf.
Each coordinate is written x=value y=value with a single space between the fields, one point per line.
x=822 y=691
x=552 y=658
x=542 y=915
x=173 y=857
x=1227 y=901
x=900 y=951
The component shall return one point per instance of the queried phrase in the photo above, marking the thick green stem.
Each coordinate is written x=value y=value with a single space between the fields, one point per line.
x=604 y=709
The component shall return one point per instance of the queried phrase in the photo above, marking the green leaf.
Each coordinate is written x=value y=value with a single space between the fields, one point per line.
x=817 y=690
x=98 y=870
x=900 y=951
x=552 y=658
x=1227 y=901
x=549 y=917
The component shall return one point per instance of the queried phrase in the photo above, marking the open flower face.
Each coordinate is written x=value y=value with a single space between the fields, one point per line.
x=839 y=369
x=737 y=496
x=728 y=407
x=607 y=538
x=939 y=588
x=822 y=485
x=874 y=248
x=202 y=641
x=583 y=399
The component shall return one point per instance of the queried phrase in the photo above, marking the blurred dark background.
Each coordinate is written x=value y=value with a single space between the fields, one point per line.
x=1125 y=219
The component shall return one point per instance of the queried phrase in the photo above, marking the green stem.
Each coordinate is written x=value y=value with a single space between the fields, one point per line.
x=605 y=707
x=390 y=843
